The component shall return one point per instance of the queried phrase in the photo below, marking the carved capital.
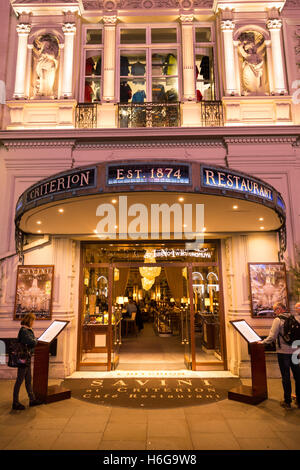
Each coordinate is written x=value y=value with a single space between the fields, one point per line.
x=110 y=20
x=274 y=24
x=227 y=25
x=186 y=19
x=23 y=28
x=69 y=28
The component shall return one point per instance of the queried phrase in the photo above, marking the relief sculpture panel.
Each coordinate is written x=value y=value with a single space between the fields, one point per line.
x=45 y=64
x=252 y=52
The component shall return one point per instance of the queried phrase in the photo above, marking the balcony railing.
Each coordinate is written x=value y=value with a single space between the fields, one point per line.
x=86 y=115
x=212 y=113
x=134 y=115
x=149 y=115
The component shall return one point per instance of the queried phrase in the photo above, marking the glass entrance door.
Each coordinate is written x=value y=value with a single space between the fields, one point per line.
x=177 y=303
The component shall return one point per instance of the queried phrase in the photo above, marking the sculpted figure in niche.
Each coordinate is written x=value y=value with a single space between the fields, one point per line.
x=45 y=63
x=252 y=54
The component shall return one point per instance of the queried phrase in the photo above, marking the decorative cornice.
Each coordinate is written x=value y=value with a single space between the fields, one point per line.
x=22 y=144
x=261 y=140
x=110 y=5
x=153 y=144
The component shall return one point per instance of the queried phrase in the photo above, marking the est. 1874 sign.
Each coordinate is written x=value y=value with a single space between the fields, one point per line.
x=148 y=173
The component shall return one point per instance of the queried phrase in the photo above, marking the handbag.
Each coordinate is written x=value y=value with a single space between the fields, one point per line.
x=18 y=355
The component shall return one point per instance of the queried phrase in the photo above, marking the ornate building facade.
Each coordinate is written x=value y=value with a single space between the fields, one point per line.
x=202 y=94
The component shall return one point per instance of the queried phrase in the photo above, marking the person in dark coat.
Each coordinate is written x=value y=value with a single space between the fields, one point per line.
x=25 y=336
x=139 y=317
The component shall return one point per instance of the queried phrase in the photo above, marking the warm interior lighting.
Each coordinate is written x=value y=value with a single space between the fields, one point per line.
x=147 y=271
x=39 y=231
x=181 y=199
x=114 y=201
x=204 y=229
x=235 y=207
x=147 y=283
x=261 y=228
x=261 y=219
x=116 y=274
x=120 y=300
x=207 y=302
x=39 y=222
x=60 y=211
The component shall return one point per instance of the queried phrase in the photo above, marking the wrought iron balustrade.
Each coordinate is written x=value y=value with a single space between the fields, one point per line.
x=149 y=114
x=86 y=115
x=212 y=113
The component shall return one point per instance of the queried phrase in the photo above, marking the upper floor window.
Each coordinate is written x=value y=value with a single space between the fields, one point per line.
x=148 y=64
x=92 y=64
x=204 y=58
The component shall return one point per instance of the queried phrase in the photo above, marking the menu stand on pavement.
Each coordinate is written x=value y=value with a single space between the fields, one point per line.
x=258 y=391
x=41 y=390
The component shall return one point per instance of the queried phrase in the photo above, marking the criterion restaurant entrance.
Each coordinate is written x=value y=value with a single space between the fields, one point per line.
x=146 y=306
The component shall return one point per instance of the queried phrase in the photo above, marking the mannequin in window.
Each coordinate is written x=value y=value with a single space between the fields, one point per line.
x=139 y=96
x=124 y=66
x=172 y=95
x=138 y=69
x=125 y=92
x=170 y=65
x=88 y=92
x=158 y=93
x=96 y=91
x=199 y=95
x=93 y=65
x=204 y=68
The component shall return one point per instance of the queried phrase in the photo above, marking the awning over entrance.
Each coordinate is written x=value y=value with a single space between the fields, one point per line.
x=142 y=200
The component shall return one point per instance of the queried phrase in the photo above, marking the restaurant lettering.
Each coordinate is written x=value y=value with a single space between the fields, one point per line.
x=75 y=180
x=223 y=179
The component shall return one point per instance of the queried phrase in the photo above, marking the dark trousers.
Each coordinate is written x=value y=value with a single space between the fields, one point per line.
x=23 y=373
x=286 y=365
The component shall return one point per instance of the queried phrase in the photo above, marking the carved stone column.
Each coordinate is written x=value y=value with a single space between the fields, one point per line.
x=270 y=66
x=274 y=26
x=69 y=30
x=109 y=54
x=227 y=27
x=23 y=31
x=188 y=59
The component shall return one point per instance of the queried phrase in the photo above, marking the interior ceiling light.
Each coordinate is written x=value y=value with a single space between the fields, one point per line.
x=235 y=207
x=261 y=228
x=39 y=222
x=147 y=283
x=261 y=218
x=60 y=211
x=147 y=271
x=180 y=199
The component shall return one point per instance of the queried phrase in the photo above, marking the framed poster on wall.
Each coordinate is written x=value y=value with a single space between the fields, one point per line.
x=34 y=292
x=267 y=286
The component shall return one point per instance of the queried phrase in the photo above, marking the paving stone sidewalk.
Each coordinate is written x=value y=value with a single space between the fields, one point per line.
x=75 y=425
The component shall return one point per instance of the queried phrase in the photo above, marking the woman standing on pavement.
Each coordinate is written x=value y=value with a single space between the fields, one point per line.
x=25 y=336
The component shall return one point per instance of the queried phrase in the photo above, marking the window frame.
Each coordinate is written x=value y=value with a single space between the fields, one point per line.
x=209 y=44
x=148 y=48
x=90 y=47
